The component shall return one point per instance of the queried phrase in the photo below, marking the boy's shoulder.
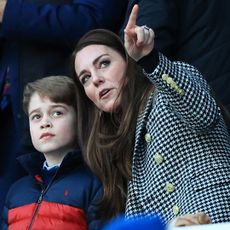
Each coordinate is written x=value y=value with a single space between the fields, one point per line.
x=80 y=169
x=82 y=175
x=18 y=191
x=21 y=184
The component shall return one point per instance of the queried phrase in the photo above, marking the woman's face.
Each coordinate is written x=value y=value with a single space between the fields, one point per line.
x=102 y=71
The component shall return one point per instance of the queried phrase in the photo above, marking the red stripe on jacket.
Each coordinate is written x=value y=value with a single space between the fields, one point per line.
x=50 y=216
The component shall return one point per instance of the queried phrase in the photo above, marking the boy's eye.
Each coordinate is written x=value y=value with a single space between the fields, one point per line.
x=57 y=113
x=36 y=117
x=85 y=78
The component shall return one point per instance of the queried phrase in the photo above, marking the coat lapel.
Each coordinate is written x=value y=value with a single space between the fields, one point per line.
x=142 y=121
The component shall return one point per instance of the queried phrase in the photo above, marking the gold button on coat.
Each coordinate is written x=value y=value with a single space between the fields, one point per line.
x=170 y=81
x=164 y=76
x=181 y=92
x=148 y=138
x=169 y=187
x=174 y=85
x=158 y=158
x=175 y=210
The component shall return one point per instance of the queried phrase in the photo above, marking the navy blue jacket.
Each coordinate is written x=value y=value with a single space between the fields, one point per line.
x=194 y=31
x=36 y=40
x=68 y=201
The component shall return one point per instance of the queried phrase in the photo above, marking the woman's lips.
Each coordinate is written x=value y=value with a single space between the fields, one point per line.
x=103 y=93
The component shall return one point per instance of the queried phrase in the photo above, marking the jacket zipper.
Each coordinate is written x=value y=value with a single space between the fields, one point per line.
x=40 y=200
x=37 y=209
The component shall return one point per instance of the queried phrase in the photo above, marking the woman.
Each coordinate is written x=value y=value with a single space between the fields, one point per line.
x=158 y=130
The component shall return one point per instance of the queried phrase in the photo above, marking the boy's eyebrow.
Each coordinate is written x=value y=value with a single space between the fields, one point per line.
x=64 y=106
x=33 y=111
x=94 y=63
x=52 y=106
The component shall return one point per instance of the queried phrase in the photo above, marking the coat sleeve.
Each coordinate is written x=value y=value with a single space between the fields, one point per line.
x=63 y=22
x=185 y=92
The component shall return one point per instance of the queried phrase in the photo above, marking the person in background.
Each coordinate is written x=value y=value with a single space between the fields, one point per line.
x=36 y=39
x=150 y=129
x=196 y=32
x=60 y=192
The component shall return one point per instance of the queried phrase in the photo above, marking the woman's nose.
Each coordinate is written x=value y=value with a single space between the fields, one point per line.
x=98 y=79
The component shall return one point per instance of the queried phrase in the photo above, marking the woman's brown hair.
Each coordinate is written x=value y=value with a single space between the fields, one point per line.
x=107 y=139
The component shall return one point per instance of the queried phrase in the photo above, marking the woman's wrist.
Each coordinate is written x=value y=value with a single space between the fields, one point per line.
x=149 y=62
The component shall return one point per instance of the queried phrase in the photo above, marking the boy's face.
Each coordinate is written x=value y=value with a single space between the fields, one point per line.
x=52 y=126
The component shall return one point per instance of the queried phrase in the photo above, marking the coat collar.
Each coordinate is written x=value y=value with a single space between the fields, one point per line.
x=33 y=162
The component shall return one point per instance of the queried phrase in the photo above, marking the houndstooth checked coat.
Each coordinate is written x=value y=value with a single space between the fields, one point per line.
x=181 y=161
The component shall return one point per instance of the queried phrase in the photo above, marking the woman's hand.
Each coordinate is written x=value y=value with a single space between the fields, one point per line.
x=138 y=40
x=191 y=219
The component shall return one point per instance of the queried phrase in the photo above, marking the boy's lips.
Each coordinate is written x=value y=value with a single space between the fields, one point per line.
x=46 y=135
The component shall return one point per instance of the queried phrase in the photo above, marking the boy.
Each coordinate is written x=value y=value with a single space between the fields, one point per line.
x=60 y=192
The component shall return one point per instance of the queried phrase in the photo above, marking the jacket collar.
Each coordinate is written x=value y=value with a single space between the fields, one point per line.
x=33 y=162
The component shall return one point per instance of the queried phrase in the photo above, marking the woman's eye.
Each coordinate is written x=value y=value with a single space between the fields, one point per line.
x=84 y=79
x=104 y=63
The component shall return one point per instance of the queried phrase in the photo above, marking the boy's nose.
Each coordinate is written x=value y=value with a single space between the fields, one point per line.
x=46 y=124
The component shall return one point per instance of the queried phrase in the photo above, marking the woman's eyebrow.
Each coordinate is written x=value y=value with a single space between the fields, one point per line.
x=94 y=63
